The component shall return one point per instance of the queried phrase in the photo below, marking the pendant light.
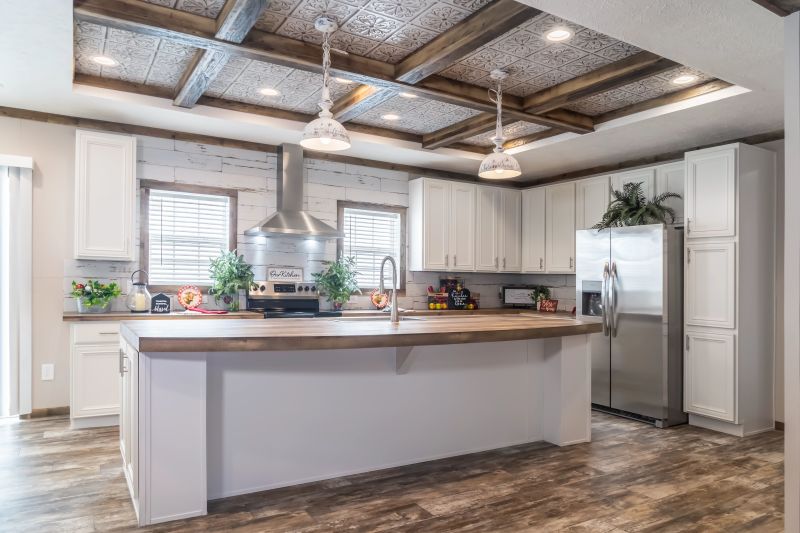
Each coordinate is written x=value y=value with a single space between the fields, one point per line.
x=498 y=165
x=325 y=133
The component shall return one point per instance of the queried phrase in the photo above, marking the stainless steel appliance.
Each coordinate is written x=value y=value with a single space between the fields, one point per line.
x=631 y=280
x=286 y=300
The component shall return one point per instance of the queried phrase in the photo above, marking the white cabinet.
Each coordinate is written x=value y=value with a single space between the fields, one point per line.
x=533 y=230
x=510 y=229
x=128 y=378
x=711 y=193
x=105 y=195
x=670 y=178
x=646 y=176
x=94 y=383
x=487 y=247
x=591 y=201
x=441 y=225
x=711 y=284
x=710 y=375
x=560 y=227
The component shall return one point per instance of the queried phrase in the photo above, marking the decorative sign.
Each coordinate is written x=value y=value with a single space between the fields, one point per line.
x=520 y=296
x=160 y=304
x=459 y=299
x=548 y=306
x=284 y=274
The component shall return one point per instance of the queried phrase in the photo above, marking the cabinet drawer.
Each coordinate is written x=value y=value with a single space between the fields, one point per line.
x=95 y=333
x=710 y=375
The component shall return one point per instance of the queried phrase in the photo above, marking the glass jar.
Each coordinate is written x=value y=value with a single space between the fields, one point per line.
x=138 y=300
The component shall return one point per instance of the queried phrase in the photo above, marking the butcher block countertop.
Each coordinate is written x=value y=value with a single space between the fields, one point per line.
x=348 y=332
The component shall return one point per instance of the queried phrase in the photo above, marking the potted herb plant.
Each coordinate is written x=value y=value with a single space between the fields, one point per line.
x=630 y=207
x=93 y=296
x=338 y=281
x=230 y=274
x=539 y=293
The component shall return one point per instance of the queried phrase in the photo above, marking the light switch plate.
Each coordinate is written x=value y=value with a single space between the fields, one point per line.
x=48 y=371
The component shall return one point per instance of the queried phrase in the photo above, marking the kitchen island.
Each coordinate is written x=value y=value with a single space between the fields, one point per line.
x=216 y=409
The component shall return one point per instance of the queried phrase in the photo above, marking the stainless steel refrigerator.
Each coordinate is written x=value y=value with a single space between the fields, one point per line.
x=631 y=280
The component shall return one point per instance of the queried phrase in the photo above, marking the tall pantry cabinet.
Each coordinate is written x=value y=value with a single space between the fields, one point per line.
x=729 y=288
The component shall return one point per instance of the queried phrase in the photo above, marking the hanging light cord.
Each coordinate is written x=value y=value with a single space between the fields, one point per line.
x=498 y=99
x=326 y=103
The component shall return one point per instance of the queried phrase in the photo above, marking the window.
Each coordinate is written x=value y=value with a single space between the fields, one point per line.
x=183 y=228
x=371 y=232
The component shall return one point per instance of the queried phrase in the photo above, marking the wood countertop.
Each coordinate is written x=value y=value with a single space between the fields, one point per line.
x=116 y=316
x=346 y=332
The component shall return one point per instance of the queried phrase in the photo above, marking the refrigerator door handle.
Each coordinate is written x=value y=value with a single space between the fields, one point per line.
x=604 y=299
x=612 y=297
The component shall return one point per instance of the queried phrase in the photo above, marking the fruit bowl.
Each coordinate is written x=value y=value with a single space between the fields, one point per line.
x=379 y=299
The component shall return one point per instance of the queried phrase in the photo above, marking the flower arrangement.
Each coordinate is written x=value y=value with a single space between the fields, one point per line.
x=93 y=296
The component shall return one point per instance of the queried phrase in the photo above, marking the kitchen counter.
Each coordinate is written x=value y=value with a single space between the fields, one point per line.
x=71 y=316
x=348 y=332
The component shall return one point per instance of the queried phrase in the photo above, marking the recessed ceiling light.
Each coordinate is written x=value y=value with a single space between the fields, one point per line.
x=684 y=79
x=105 y=61
x=344 y=81
x=558 y=35
x=408 y=95
x=269 y=91
x=390 y=116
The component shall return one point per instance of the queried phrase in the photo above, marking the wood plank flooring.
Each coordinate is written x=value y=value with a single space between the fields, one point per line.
x=632 y=477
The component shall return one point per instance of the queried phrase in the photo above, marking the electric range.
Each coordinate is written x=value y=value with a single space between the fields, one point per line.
x=286 y=300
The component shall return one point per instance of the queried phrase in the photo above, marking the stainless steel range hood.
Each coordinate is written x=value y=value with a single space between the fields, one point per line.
x=290 y=220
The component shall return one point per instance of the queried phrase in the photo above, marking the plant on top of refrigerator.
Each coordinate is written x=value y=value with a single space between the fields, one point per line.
x=630 y=207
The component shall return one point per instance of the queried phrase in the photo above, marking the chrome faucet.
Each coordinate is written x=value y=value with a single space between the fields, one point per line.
x=393 y=304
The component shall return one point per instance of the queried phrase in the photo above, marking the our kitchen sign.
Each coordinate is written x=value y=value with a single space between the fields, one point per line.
x=284 y=274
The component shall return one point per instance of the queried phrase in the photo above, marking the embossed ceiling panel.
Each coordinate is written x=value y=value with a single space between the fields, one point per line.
x=533 y=62
x=636 y=92
x=242 y=79
x=206 y=8
x=511 y=131
x=417 y=115
x=140 y=58
x=387 y=30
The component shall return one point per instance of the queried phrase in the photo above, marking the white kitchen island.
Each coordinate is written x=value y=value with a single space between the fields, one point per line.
x=212 y=410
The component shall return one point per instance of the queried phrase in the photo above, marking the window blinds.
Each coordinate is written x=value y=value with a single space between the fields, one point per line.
x=186 y=231
x=369 y=236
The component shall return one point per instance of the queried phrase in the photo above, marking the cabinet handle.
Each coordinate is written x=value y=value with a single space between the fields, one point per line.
x=570 y=262
x=687 y=343
x=446 y=259
x=688 y=225
x=455 y=260
x=504 y=262
x=496 y=263
x=121 y=357
x=108 y=333
x=688 y=255
x=541 y=263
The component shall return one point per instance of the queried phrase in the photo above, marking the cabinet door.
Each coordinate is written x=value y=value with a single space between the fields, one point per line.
x=105 y=194
x=533 y=230
x=591 y=201
x=95 y=382
x=647 y=177
x=711 y=284
x=462 y=227
x=486 y=246
x=710 y=375
x=436 y=199
x=560 y=227
x=670 y=178
x=711 y=193
x=510 y=228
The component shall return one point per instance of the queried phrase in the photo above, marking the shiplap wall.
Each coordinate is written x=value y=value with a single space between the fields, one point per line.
x=253 y=174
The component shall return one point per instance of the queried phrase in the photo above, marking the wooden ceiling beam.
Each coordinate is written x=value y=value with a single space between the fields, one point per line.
x=464 y=38
x=782 y=8
x=198 y=31
x=606 y=78
x=483 y=123
x=359 y=101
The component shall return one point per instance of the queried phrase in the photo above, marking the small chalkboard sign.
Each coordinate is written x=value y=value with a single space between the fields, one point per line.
x=458 y=299
x=160 y=304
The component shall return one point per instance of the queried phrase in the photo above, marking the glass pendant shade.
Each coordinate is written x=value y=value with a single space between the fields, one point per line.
x=499 y=166
x=326 y=134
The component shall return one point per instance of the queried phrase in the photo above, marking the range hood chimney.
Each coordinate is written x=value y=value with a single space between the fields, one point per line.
x=290 y=220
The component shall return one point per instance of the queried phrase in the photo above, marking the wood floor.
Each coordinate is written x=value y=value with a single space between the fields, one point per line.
x=632 y=477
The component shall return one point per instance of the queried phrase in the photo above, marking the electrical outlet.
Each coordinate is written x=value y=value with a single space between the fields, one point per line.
x=48 y=371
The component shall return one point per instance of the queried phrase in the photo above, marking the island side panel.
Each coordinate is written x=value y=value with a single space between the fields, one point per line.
x=172 y=436
x=567 y=416
x=283 y=418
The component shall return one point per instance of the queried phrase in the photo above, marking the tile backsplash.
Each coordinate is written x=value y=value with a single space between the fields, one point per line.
x=254 y=175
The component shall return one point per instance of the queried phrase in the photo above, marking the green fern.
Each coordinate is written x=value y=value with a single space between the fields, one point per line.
x=630 y=207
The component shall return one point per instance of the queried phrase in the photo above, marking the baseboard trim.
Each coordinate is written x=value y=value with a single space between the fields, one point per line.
x=45 y=412
x=779 y=425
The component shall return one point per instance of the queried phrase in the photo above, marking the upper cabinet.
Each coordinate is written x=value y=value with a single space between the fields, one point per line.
x=711 y=193
x=487 y=247
x=533 y=232
x=510 y=228
x=591 y=201
x=560 y=227
x=670 y=178
x=462 y=226
x=105 y=195
x=645 y=176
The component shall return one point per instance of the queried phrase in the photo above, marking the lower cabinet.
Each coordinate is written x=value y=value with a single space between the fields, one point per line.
x=94 y=382
x=710 y=375
x=128 y=377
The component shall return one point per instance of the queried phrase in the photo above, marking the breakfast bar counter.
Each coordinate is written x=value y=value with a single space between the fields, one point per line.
x=213 y=409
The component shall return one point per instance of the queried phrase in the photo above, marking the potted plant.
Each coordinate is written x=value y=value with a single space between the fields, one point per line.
x=338 y=281
x=630 y=207
x=93 y=296
x=230 y=274
x=539 y=293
